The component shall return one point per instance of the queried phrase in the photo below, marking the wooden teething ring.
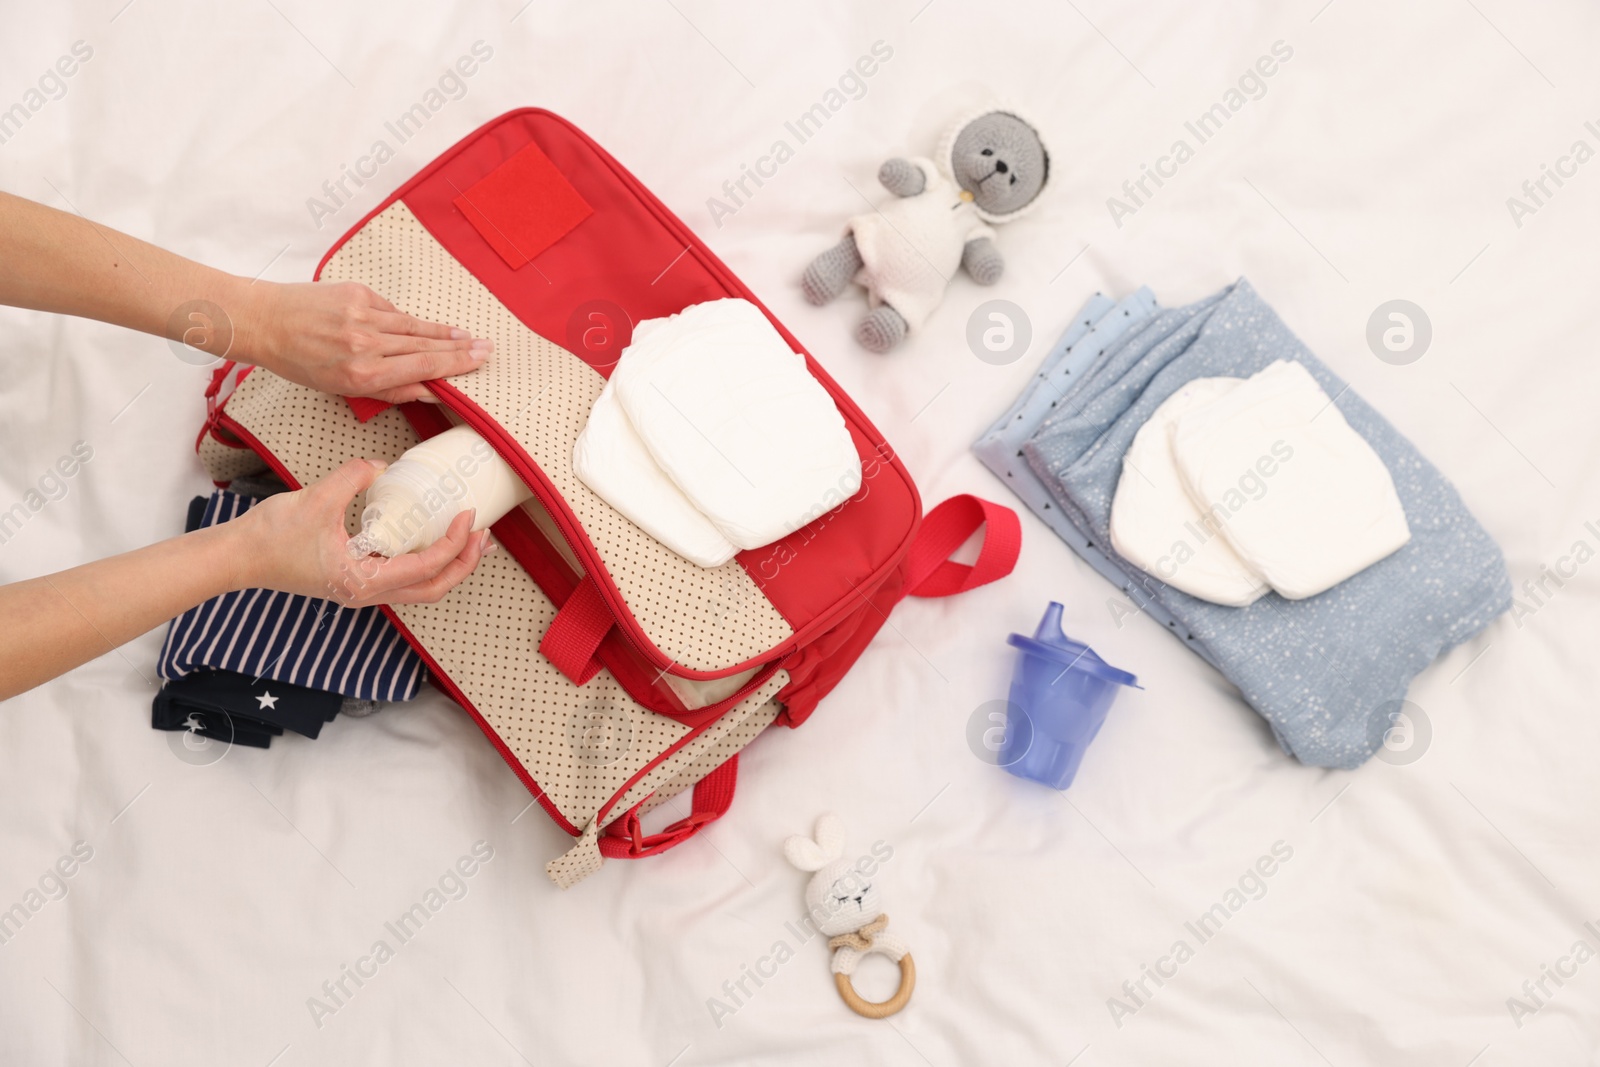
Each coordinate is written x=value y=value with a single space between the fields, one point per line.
x=852 y=999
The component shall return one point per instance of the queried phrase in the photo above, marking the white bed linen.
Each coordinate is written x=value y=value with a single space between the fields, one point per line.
x=1376 y=165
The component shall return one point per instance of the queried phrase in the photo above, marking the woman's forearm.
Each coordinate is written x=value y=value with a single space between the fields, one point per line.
x=52 y=624
x=60 y=262
x=337 y=337
x=295 y=542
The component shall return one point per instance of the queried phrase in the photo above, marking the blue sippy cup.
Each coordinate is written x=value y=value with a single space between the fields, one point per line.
x=1060 y=694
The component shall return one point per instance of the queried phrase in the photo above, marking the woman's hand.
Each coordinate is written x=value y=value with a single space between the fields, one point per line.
x=341 y=337
x=297 y=542
x=292 y=541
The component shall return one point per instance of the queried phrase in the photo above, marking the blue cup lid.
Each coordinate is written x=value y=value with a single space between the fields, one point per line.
x=1050 y=642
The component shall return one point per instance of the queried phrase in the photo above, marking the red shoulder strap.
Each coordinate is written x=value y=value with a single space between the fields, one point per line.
x=930 y=572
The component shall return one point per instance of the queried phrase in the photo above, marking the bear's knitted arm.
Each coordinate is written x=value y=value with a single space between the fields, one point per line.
x=983 y=261
x=902 y=177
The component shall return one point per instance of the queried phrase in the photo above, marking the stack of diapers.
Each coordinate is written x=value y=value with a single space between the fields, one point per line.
x=1266 y=478
x=713 y=437
x=1321 y=628
x=1159 y=524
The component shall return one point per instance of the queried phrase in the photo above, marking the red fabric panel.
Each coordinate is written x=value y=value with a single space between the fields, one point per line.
x=523 y=206
x=631 y=261
x=576 y=632
x=817 y=668
x=826 y=561
x=622 y=257
x=928 y=571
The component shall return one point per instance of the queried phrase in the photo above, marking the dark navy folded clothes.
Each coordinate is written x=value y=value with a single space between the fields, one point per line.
x=237 y=709
x=306 y=641
x=197 y=512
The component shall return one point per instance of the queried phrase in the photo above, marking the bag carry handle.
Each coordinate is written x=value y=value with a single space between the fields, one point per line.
x=930 y=572
x=625 y=838
x=574 y=635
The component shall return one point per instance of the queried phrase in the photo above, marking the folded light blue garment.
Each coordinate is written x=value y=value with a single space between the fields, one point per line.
x=1326 y=672
x=1098 y=326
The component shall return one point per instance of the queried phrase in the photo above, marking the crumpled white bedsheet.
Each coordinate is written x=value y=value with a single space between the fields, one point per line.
x=1376 y=165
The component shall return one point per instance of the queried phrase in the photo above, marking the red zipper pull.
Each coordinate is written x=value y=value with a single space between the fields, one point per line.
x=212 y=390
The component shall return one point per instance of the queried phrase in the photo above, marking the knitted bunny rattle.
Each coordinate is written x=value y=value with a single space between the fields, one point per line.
x=845 y=905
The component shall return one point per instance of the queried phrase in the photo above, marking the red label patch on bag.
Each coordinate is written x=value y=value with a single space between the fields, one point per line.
x=523 y=206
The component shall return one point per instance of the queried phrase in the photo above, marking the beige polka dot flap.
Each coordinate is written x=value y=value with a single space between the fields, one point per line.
x=592 y=757
x=704 y=619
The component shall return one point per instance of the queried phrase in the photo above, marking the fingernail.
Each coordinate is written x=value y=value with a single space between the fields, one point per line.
x=483 y=344
x=489 y=543
x=428 y=398
x=458 y=335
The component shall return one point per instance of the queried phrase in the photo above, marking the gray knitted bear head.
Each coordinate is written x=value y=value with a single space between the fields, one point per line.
x=1001 y=161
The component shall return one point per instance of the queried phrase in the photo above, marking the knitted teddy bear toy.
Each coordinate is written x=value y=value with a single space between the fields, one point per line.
x=991 y=167
x=846 y=906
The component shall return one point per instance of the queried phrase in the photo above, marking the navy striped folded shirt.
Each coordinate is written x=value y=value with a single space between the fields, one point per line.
x=303 y=640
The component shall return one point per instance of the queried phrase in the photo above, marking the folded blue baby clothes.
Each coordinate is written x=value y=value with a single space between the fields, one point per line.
x=1098 y=328
x=307 y=641
x=239 y=710
x=1324 y=671
x=1095 y=328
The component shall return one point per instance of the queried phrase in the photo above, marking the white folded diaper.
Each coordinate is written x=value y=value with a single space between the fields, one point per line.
x=1298 y=494
x=731 y=415
x=1155 y=523
x=610 y=459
